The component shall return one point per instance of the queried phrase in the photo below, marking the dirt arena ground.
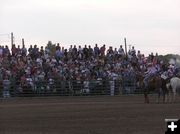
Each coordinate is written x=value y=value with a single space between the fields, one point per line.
x=85 y=115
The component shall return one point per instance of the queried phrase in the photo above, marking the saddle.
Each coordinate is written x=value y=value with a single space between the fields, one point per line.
x=155 y=81
x=152 y=79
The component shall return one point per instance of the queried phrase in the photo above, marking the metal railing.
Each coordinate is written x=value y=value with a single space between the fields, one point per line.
x=69 y=88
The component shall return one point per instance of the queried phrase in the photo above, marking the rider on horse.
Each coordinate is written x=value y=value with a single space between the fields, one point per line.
x=150 y=73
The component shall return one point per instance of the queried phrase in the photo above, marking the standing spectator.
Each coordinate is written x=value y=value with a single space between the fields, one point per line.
x=58 y=53
x=133 y=51
x=47 y=50
x=1 y=51
x=74 y=52
x=80 y=53
x=155 y=59
x=151 y=57
x=139 y=55
x=96 y=50
x=58 y=46
x=90 y=52
x=121 y=51
x=70 y=49
x=110 y=51
x=35 y=52
x=6 y=87
x=41 y=52
x=6 y=50
x=13 y=50
x=30 y=50
x=85 y=52
x=23 y=50
x=102 y=50
x=86 y=89
x=115 y=51
x=18 y=50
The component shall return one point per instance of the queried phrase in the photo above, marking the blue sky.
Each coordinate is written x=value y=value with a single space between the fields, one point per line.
x=149 y=25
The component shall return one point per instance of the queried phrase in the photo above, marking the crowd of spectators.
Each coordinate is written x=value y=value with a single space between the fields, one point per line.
x=32 y=66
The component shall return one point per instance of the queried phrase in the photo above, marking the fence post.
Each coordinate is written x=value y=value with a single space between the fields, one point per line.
x=112 y=86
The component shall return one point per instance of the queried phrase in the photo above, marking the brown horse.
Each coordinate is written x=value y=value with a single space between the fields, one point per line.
x=154 y=84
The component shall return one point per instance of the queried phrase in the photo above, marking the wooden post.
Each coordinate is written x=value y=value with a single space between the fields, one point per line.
x=129 y=47
x=22 y=42
x=12 y=39
x=125 y=47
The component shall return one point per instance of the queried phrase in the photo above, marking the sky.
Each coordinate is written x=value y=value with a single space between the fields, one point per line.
x=149 y=25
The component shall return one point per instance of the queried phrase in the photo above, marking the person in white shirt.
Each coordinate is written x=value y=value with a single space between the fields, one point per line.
x=121 y=51
x=133 y=51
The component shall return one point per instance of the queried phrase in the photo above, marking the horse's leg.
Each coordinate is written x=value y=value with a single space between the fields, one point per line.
x=146 y=97
x=164 y=95
x=174 y=95
x=163 y=90
x=170 y=96
x=159 y=95
x=167 y=95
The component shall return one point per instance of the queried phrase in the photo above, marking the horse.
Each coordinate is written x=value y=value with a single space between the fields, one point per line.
x=173 y=87
x=154 y=84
